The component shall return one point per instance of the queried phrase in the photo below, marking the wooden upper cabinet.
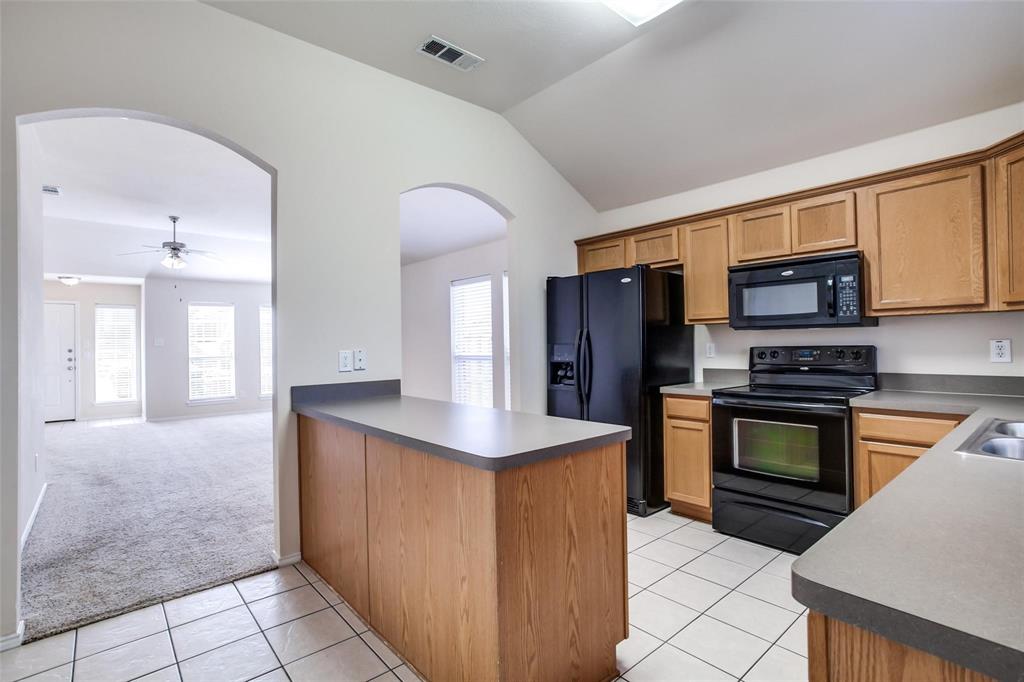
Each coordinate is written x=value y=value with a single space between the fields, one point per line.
x=1009 y=226
x=603 y=255
x=824 y=223
x=657 y=246
x=760 y=234
x=706 y=273
x=924 y=241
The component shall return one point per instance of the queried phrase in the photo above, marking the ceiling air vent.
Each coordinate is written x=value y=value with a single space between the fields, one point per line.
x=452 y=55
x=51 y=190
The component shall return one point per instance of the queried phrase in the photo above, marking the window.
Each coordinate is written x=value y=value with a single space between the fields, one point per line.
x=211 y=351
x=472 y=359
x=266 y=351
x=116 y=363
x=506 y=336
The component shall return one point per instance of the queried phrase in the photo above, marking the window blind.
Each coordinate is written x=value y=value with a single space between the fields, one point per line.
x=472 y=357
x=211 y=351
x=266 y=350
x=116 y=365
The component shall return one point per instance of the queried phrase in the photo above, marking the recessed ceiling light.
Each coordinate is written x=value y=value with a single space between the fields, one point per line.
x=68 y=280
x=639 y=12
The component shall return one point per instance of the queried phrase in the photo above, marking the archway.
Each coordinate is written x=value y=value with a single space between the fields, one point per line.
x=455 y=295
x=30 y=484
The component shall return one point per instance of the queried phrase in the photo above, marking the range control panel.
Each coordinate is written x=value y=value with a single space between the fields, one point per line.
x=818 y=356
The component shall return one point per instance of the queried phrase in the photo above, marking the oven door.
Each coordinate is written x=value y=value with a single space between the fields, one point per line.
x=790 y=451
x=780 y=296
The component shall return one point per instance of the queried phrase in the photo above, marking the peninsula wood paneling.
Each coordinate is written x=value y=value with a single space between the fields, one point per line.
x=332 y=508
x=841 y=652
x=761 y=234
x=562 y=600
x=924 y=242
x=824 y=223
x=706 y=273
x=1009 y=226
x=432 y=558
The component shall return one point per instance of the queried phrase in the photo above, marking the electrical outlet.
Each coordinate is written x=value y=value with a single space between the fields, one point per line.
x=360 y=359
x=709 y=351
x=999 y=351
x=344 y=361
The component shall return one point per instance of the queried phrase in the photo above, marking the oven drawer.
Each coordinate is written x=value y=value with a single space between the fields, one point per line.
x=896 y=428
x=787 y=527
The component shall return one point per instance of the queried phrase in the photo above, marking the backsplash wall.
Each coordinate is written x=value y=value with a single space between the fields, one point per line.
x=922 y=344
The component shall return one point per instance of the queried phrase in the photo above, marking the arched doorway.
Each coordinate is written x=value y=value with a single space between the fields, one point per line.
x=144 y=579
x=455 y=296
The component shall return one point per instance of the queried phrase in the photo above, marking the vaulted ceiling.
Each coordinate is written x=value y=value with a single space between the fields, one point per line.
x=709 y=91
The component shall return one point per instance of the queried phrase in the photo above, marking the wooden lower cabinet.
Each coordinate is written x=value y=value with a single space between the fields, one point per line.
x=841 y=652
x=688 y=456
x=472 y=575
x=332 y=508
x=887 y=442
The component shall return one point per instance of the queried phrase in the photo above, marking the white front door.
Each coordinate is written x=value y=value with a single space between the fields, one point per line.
x=60 y=357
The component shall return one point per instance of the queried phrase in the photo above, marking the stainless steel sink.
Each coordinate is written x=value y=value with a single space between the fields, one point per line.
x=1014 y=429
x=996 y=438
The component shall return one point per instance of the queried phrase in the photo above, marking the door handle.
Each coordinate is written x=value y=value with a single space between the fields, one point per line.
x=578 y=365
x=830 y=297
x=590 y=362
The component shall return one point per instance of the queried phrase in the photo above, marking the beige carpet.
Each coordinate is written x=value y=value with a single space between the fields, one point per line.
x=140 y=512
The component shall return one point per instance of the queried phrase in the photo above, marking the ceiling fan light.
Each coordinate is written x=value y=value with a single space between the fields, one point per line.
x=173 y=261
x=68 y=280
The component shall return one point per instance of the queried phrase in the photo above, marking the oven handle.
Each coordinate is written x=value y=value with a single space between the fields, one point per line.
x=781 y=512
x=783 y=406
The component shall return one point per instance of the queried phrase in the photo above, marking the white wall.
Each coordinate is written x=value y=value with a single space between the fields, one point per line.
x=932 y=344
x=167 y=346
x=426 y=318
x=88 y=295
x=345 y=140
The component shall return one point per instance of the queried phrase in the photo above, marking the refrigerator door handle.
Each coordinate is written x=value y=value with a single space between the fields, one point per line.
x=578 y=367
x=589 y=349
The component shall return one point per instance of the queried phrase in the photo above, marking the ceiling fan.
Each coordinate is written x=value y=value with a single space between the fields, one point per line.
x=174 y=249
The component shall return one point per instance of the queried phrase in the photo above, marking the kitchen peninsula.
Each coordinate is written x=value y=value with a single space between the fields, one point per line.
x=482 y=544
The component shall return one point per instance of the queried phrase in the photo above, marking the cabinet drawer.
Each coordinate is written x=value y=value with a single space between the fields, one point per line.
x=658 y=246
x=899 y=428
x=688 y=408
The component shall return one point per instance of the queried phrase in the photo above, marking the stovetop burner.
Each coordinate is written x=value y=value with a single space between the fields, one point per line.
x=808 y=393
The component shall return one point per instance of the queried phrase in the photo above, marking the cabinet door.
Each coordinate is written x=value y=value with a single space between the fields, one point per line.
x=1009 y=221
x=824 y=223
x=688 y=462
x=706 y=272
x=760 y=234
x=657 y=246
x=603 y=256
x=924 y=240
x=877 y=464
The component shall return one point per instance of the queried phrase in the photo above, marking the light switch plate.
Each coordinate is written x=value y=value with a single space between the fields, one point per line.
x=344 y=361
x=360 y=359
x=999 y=350
x=710 y=350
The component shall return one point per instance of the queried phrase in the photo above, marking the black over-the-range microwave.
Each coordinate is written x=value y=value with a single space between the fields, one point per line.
x=816 y=291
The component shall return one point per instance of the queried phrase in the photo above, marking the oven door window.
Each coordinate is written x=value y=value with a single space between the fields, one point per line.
x=781 y=300
x=781 y=449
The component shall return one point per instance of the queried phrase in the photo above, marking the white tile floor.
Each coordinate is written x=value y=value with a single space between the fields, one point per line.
x=274 y=627
x=702 y=606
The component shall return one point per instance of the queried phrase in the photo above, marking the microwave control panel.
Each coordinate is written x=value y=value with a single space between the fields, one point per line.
x=847 y=292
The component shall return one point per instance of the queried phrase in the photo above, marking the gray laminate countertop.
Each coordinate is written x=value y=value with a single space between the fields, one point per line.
x=481 y=437
x=700 y=388
x=934 y=560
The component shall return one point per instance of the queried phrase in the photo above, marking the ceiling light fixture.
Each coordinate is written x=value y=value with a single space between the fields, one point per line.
x=174 y=261
x=68 y=280
x=639 y=12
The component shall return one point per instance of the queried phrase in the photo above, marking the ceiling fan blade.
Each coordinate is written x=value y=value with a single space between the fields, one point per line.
x=152 y=246
x=136 y=253
x=207 y=255
x=200 y=252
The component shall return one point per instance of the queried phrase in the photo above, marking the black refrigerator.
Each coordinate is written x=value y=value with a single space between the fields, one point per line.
x=614 y=338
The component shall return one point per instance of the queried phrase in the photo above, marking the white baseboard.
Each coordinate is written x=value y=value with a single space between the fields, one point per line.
x=32 y=517
x=182 y=417
x=14 y=639
x=288 y=559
